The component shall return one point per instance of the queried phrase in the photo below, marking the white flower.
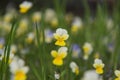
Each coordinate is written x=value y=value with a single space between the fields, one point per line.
x=74 y=67
x=37 y=16
x=87 y=48
x=91 y=75
x=18 y=64
x=98 y=65
x=57 y=75
x=49 y=15
x=25 y=6
x=13 y=49
x=61 y=35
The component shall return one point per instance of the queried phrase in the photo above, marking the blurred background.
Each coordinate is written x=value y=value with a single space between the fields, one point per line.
x=74 y=6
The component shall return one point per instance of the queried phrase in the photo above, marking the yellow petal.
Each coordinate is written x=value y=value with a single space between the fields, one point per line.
x=20 y=75
x=116 y=79
x=54 y=53
x=60 y=43
x=77 y=71
x=23 y=10
x=58 y=62
x=99 y=70
x=63 y=55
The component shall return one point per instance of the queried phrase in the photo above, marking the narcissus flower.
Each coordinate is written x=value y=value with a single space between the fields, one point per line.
x=117 y=73
x=25 y=6
x=98 y=65
x=59 y=55
x=87 y=48
x=74 y=67
x=61 y=35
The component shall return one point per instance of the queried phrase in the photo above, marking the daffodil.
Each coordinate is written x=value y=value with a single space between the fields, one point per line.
x=59 y=56
x=98 y=65
x=74 y=67
x=117 y=73
x=87 y=48
x=61 y=35
x=25 y=6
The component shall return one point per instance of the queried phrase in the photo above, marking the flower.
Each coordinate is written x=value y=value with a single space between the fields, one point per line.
x=49 y=15
x=57 y=75
x=1 y=54
x=59 y=55
x=23 y=26
x=2 y=42
x=48 y=36
x=61 y=35
x=76 y=51
x=117 y=73
x=74 y=67
x=91 y=75
x=25 y=6
x=36 y=16
x=18 y=69
x=98 y=65
x=30 y=37
x=76 y=24
x=87 y=48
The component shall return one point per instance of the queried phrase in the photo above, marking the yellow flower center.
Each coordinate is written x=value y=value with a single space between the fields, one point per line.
x=20 y=75
x=99 y=70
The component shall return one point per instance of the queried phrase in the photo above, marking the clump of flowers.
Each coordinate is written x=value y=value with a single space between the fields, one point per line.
x=117 y=73
x=25 y=6
x=74 y=67
x=61 y=35
x=98 y=65
x=87 y=48
x=59 y=56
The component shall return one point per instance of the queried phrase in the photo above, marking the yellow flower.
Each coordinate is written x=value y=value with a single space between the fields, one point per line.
x=61 y=35
x=98 y=65
x=117 y=73
x=25 y=6
x=20 y=75
x=74 y=67
x=87 y=48
x=59 y=56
